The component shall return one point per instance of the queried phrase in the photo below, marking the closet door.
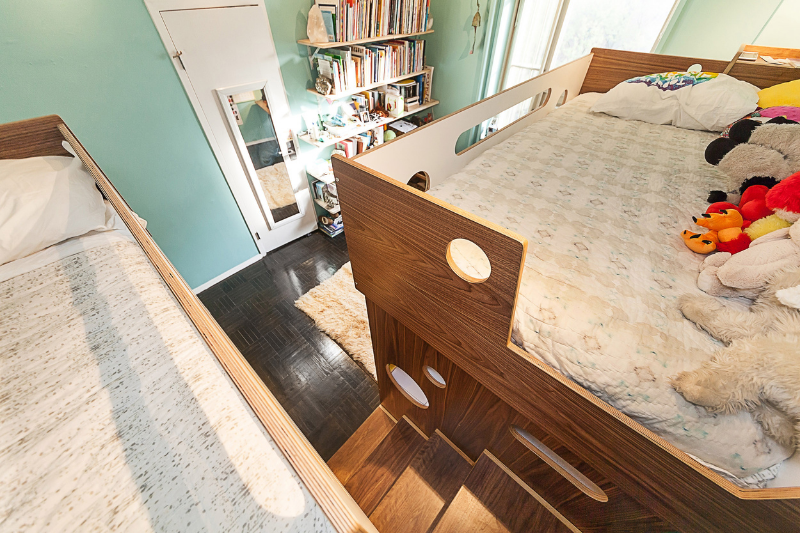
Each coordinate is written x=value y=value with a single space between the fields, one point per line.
x=222 y=48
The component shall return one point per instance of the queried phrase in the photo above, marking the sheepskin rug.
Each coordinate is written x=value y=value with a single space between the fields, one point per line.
x=340 y=311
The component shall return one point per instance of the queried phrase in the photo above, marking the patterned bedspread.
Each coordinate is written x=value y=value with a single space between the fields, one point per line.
x=602 y=202
x=114 y=415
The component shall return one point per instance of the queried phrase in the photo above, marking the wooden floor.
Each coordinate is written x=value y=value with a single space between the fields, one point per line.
x=324 y=391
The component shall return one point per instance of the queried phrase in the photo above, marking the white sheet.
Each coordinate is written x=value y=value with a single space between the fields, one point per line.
x=115 y=415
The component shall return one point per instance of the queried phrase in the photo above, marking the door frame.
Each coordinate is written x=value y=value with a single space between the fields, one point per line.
x=248 y=204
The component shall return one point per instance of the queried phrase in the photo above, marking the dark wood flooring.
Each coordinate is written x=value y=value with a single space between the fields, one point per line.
x=327 y=395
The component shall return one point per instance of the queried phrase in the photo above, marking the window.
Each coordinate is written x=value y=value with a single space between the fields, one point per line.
x=619 y=24
x=550 y=33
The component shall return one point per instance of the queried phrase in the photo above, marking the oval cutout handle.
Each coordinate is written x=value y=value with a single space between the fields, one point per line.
x=407 y=386
x=581 y=482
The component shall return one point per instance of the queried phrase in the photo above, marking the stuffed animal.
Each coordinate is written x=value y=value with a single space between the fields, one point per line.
x=759 y=370
x=746 y=273
x=725 y=233
x=755 y=154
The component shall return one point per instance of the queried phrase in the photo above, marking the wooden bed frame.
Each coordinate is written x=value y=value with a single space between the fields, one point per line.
x=423 y=314
x=43 y=136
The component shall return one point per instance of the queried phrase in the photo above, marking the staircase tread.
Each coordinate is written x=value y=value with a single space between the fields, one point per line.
x=384 y=465
x=426 y=486
x=491 y=501
x=346 y=461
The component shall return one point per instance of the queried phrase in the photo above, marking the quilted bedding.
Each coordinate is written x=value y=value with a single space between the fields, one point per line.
x=115 y=416
x=602 y=202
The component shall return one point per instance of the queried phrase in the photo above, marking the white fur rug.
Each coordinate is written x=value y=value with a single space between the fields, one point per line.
x=340 y=311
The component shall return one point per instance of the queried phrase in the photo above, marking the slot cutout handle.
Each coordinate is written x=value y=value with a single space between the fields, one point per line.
x=581 y=482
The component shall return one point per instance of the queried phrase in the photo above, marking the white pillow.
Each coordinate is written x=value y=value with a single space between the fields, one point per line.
x=43 y=201
x=690 y=100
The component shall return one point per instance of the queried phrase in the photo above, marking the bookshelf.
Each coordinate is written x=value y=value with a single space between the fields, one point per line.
x=306 y=42
x=361 y=129
x=331 y=210
x=351 y=92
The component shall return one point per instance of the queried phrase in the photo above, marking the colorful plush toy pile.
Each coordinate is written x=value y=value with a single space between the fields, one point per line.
x=748 y=226
x=755 y=156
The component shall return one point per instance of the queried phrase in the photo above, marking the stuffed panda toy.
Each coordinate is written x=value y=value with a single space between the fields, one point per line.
x=755 y=153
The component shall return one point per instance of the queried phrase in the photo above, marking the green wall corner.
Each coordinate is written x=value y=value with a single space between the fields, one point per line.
x=102 y=67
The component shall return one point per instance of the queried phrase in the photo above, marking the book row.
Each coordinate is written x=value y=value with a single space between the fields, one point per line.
x=350 y=20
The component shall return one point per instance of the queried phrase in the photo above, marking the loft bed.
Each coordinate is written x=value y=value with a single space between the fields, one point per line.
x=136 y=410
x=600 y=468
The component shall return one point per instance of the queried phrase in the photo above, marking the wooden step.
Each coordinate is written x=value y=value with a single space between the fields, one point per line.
x=376 y=475
x=424 y=489
x=494 y=500
x=346 y=461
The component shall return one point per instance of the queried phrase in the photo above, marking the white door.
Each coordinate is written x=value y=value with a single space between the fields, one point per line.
x=225 y=48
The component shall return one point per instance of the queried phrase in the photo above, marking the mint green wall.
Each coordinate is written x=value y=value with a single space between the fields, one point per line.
x=715 y=29
x=257 y=124
x=102 y=67
x=781 y=30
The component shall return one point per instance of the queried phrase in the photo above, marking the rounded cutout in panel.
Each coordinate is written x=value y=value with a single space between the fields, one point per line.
x=468 y=261
x=557 y=463
x=562 y=99
x=420 y=181
x=407 y=386
x=541 y=99
x=434 y=376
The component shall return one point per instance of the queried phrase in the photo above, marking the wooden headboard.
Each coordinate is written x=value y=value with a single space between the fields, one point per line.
x=610 y=67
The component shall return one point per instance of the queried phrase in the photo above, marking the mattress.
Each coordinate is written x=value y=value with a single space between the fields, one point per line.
x=602 y=202
x=114 y=414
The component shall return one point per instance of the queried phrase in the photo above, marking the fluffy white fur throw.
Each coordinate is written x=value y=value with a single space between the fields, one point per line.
x=759 y=371
x=341 y=312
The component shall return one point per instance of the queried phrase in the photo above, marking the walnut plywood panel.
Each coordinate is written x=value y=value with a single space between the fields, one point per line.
x=610 y=67
x=346 y=461
x=32 y=138
x=493 y=501
x=476 y=420
x=43 y=136
x=422 y=266
x=764 y=75
x=384 y=465
x=423 y=490
x=402 y=269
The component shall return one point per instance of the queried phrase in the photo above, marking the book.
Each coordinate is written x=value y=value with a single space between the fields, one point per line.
x=364 y=19
x=329 y=18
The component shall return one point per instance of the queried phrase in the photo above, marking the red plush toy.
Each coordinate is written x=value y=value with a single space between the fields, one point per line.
x=753 y=204
x=784 y=198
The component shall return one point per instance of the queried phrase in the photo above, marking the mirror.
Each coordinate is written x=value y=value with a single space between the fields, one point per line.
x=260 y=150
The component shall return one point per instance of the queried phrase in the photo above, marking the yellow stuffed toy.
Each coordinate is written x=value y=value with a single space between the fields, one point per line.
x=765 y=225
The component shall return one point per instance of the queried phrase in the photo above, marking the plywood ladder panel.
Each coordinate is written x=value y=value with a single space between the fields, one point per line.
x=493 y=500
x=384 y=465
x=347 y=460
x=424 y=489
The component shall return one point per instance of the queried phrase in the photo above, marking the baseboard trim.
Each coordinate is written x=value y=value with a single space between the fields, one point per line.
x=231 y=272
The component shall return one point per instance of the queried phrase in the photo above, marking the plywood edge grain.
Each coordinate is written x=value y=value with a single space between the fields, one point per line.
x=536 y=496
x=333 y=499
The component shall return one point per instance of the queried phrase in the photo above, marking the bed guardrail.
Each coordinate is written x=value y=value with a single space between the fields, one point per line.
x=432 y=148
